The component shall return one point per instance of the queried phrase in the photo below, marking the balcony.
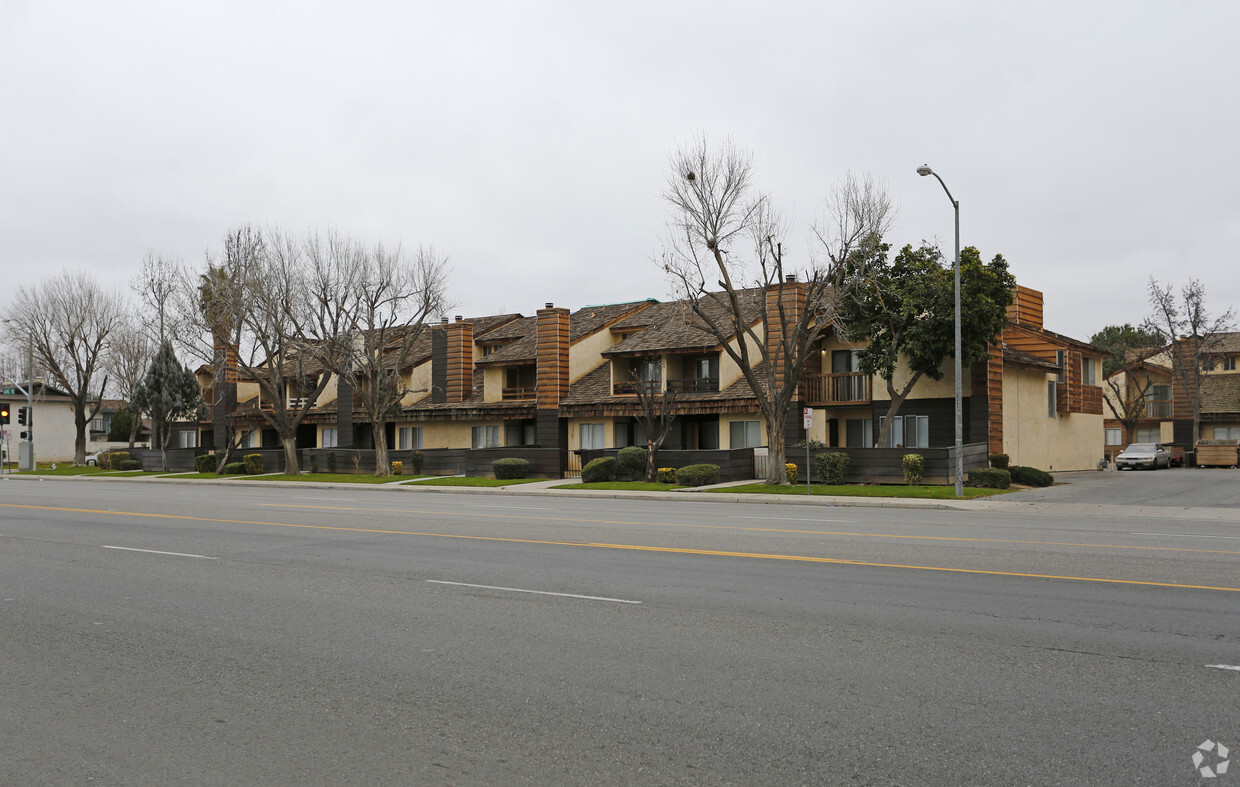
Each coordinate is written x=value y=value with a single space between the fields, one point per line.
x=296 y=404
x=522 y=392
x=1157 y=408
x=694 y=385
x=845 y=388
x=629 y=387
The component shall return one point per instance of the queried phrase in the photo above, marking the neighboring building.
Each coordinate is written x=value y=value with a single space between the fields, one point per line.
x=568 y=380
x=54 y=434
x=1166 y=416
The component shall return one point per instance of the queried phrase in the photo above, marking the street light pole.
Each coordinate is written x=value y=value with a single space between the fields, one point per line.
x=25 y=459
x=924 y=170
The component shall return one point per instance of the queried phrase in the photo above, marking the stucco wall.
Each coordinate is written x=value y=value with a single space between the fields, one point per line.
x=492 y=383
x=419 y=382
x=729 y=372
x=585 y=354
x=1033 y=438
x=53 y=430
x=725 y=428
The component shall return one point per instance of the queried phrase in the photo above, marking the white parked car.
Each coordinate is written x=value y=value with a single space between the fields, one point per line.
x=92 y=460
x=1150 y=455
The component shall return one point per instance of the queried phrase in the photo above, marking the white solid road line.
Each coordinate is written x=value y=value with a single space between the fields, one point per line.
x=1233 y=667
x=536 y=592
x=1182 y=535
x=157 y=552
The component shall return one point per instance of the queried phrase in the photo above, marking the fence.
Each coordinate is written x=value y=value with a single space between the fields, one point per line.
x=886 y=465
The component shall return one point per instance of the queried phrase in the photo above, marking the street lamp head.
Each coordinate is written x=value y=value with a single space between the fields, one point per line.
x=924 y=170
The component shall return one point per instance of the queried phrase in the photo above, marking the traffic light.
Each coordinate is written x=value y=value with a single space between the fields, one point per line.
x=4 y=413
x=23 y=415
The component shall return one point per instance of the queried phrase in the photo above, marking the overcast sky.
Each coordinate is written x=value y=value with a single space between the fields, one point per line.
x=1093 y=144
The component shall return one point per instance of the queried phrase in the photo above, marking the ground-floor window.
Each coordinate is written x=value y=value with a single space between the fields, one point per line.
x=908 y=431
x=409 y=438
x=745 y=434
x=859 y=432
x=700 y=433
x=1149 y=434
x=520 y=433
x=330 y=437
x=1227 y=433
x=1115 y=436
x=592 y=437
x=188 y=440
x=485 y=437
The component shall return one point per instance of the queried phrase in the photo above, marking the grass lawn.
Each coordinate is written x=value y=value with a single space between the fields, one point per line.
x=64 y=469
x=458 y=481
x=860 y=490
x=624 y=486
x=334 y=478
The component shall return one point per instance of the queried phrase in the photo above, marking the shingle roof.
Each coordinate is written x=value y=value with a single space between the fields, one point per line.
x=594 y=387
x=674 y=326
x=589 y=319
x=1220 y=393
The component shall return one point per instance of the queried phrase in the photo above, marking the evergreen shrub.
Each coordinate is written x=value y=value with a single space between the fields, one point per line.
x=510 y=468
x=832 y=467
x=253 y=463
x=599 y=470
x=698 y=475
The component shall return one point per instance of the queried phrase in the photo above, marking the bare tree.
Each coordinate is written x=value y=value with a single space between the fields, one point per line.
x=369 y=305
x=69 y=320
x=657 y=406
x=724 y=233
x=129 y=357
x=1191 y=334
x=156 y=284
x=1126 y=400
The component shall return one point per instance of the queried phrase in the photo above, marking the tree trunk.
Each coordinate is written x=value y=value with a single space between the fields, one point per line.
x=79 y=439
x=897 y=401
x=134 y=422
x=163 y=446
x=290 y=454
x=650 y=449
x=382 y=465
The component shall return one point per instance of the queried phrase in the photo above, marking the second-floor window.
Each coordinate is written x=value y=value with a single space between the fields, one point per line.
x=1229 y=363
x=1089 y=367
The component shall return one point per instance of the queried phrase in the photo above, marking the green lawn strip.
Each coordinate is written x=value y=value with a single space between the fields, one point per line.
x=334 y=478
x=65 y=470
x=921 y=492
x=129 y=473
x=459 y=481
x=198 y=476
x=624 y=486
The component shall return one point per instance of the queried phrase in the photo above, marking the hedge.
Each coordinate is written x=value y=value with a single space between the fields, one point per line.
x=989 y=478
x=667 y=475
x=128 y=464
x=510 y=468
x=697 y=475
x=914 y=466
x=790 y=471
x=632 y=463
x=1031 y=476
x=206 y=463
x=233 y=468
x=832 y=467
x=397 y=468
x=999 y=461
x=253 y=463
x=599 y=470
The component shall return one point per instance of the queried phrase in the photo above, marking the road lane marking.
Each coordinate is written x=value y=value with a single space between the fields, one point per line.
x=784 y=519
x=535 y=592
x=1184 y=535
x=642 y=548
x=334 y=499
x=157 y=552
x=1233 y=667
x=509 y=508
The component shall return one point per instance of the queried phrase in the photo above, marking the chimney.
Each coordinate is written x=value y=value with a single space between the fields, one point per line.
x=459 y=360
x=791 y=296
x=552 y=357
x=1026 y=308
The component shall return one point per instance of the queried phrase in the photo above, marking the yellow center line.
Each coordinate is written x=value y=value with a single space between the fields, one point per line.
x=633 y=547
x=747 y=529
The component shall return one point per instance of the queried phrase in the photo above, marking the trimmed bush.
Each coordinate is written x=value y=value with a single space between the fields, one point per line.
x=416 y=461
x=698 y=475
x=999 y=461
x=812 y=444
x=667 y=475
x=397 y=467
x=631 y=463
x=832 y=467
x=113 y=459
x=989 y=478
x=791 y=472
x=508 y=469
x=914 y=466
x=1031 y=476
x=599 y=470
x=128 y=464
x=233 y=468
x=206 y=463
x=253 y=463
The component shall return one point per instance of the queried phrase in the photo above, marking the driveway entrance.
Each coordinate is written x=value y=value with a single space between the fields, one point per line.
x=1177 y=487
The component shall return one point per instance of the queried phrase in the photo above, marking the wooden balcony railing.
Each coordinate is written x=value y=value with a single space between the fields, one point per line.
x=1157 y=408
x=527 y=392
x=694 y=385
x=630 y=387
x=843 y=388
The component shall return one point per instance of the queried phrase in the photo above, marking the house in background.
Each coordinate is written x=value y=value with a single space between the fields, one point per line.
x=54 y=432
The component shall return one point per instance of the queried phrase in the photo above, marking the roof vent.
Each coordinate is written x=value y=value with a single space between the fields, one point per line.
x=550 y=305
x=790 y=277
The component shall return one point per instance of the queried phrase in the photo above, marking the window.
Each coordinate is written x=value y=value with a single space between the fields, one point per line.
x=859 y=433
x=745 y=434
x=1229 y=363
x=1148 y=434
x=250 y=439
x=409 y=438
x=1061 y=359
x=1089 y=369
x=1115 y=436
x=187 y=439
x=1227 y=433
x=329 y=439
x=908 y=431
x=485 y=437
x=519 y=433
x=1052 y=396
x=592 y=437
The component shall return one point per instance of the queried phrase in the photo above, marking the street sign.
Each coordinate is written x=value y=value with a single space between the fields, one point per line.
x=808 y=416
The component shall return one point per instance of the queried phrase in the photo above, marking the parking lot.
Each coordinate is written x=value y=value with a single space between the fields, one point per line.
x=1177 y=487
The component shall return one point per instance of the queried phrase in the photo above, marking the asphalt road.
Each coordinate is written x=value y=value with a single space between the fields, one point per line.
x=326 y=636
